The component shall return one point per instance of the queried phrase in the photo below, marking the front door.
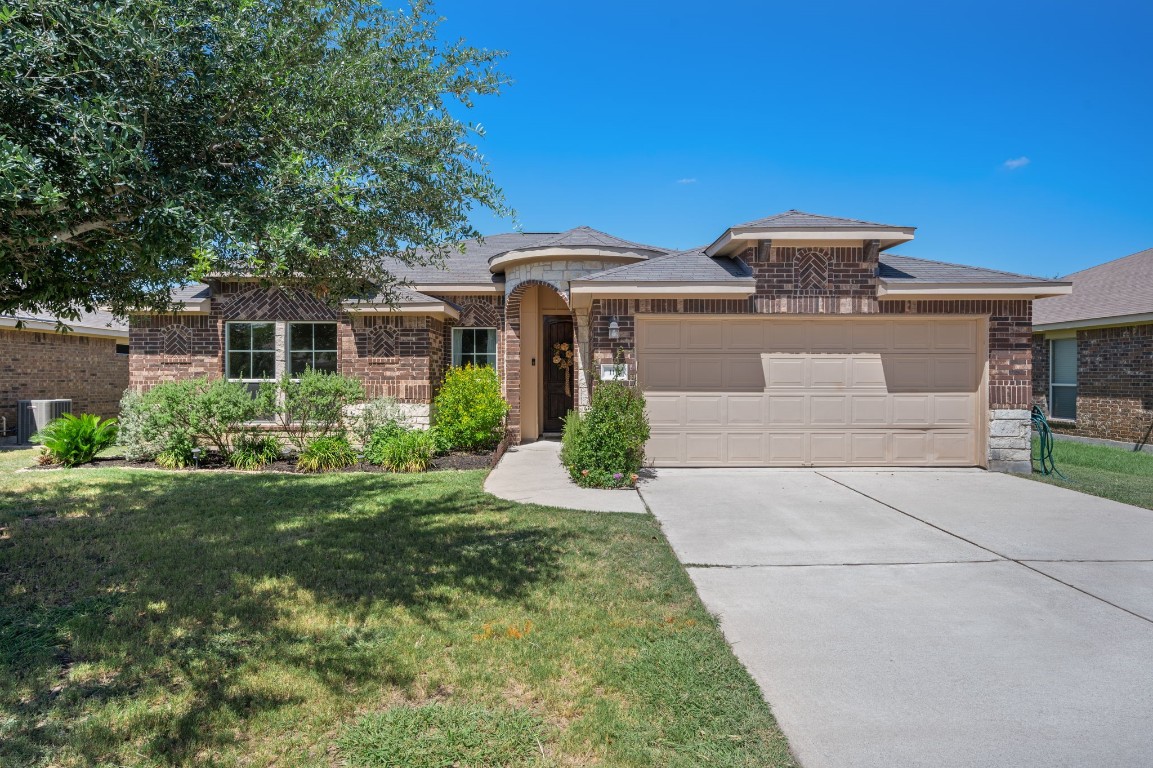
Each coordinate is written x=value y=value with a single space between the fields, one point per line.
x=558 y=379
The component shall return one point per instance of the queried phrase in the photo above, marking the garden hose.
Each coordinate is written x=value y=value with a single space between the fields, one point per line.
x=1045 y=444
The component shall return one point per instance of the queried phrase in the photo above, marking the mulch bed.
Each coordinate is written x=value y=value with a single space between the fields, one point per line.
x=213 y=462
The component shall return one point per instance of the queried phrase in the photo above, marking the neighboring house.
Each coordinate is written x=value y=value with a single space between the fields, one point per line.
x=88 y=364
x=793 y=340
x=1093 y=352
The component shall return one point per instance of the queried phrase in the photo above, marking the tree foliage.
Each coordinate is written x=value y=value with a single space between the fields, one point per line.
x=307 y=142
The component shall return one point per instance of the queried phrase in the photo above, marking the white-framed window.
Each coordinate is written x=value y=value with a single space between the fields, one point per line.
x=311 y=345
x=1063 y=378
x=474 y=345
x=250 y=351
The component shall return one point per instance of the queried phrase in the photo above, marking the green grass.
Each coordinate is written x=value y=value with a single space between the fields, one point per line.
x=1113 y=473
x=218 y=619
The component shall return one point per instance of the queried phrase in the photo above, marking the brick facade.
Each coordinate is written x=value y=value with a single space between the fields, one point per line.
x=1114 y=383
x=38 y=365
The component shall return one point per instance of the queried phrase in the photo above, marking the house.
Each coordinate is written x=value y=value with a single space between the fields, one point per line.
x=793 y=340
x=87 y=364
x=1093 y=352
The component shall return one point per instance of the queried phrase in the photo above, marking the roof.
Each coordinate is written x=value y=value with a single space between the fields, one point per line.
x=897 y=268
x=794 y=219
x=1114 y=289
x=578 y=237
x=692 y=265
x=99 y=321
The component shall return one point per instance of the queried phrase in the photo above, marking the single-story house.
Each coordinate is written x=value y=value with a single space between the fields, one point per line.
x=1093 y=352
x=793 y=340
x=88 y=364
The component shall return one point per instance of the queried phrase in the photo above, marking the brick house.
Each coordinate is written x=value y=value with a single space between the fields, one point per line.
x=88 y=364
x=793 y=340
x=1093 y=352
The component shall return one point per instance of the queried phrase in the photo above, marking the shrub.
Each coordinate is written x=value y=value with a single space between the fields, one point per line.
x=401 y=450
x=72 y=440
x=169 y=420
x=253 y=451
x=605 y=447
x=138 y=437
x=365 y=419
x=326 y=453
x=469 y=411
x=219 y=409
x=313 y=406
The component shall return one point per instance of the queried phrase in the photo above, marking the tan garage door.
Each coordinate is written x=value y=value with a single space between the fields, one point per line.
x=857 y=391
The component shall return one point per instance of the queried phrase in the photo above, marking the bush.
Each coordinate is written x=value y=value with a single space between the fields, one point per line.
x=326 y=453
x=468 y=411
x=401 y=450
x=605 y=447
x=139 y=439
x=365 y=419
x=313 y=406
x=253 y=451
x=219 y=409
x=72 y=440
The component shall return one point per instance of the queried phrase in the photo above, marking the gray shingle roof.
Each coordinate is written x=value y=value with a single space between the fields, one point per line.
x=794 y=219
x=99 y=320
x=692 y=265
x=400 y=295
x=587 y=236
x=192 y=292
x=896 y=268
x=1120 y=287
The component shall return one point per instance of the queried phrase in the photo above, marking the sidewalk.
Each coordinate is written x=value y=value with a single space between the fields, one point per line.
x=532 y=474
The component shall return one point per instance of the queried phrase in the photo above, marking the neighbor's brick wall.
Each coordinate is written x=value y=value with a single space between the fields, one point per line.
x=46 y=365
x=1114 y=382
x=390 y=355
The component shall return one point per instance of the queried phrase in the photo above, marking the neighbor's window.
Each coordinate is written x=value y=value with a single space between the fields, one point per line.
x=311 y=345
x=474 y=345
x=1063 y=378
x=251 y=351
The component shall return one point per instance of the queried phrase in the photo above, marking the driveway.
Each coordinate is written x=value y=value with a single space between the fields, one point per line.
x=927 y=618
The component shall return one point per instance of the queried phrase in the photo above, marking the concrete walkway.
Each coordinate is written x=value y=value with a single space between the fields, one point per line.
x=532 y=474
x=945 y=619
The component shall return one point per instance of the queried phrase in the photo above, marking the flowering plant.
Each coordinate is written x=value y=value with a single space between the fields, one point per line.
x=562 y=357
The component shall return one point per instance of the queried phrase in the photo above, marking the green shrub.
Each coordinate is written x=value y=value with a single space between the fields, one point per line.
x=313 y=405
x=219 y=409
x=326 y=453
x=253 y=451
x=138 y=438
x=72 y=440
x=401 y=450
x=469 y=411
x=169 y=420
x=605 y=446
x=365 y=419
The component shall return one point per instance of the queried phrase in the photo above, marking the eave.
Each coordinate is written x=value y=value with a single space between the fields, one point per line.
x=1142 y=318
x=438 y=309
x=41 y=326
x=739 y=238
x=971 y=290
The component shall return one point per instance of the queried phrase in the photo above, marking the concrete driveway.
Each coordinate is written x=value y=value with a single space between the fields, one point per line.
x=928 y=618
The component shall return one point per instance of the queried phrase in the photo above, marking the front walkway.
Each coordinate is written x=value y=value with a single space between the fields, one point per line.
x=532 y=474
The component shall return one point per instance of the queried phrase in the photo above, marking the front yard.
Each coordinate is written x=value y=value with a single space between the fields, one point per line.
x=1101 y=470
x=156 y=619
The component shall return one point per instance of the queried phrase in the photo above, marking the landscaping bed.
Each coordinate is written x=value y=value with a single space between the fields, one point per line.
x=458 y=460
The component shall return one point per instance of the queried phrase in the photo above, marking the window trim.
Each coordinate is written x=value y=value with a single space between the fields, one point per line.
x=454 y=352
x=228 y=350
x=1053 y=384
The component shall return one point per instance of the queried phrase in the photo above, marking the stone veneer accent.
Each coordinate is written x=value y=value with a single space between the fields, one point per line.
x=41 y=365
x=1114 y=383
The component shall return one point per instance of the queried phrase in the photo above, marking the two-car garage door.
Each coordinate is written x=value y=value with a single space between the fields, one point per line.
x=863 y=391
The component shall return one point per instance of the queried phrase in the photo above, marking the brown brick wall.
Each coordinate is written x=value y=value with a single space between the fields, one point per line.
x=38 y=365
x=814 y=280
x=1114 y=382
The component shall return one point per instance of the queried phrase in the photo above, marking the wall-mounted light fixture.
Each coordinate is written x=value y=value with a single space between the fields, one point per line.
x=614 y=328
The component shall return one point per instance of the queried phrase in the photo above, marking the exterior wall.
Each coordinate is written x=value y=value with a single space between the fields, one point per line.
x=394 y=356
x=1114 y=383
x=36 y=365
x=556 y=273
x=814 y=279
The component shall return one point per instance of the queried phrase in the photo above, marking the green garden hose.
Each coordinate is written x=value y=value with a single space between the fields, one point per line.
x=1045 y=444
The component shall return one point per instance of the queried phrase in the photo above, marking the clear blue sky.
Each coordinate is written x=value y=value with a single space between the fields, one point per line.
x=1013 y=135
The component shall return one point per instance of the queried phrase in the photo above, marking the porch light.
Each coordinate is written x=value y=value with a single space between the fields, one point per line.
x=614 y=328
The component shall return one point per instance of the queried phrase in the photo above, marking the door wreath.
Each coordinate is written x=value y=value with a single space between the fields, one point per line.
x=562 y=358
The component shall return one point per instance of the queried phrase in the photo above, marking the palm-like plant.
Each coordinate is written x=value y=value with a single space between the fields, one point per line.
x=71 y=440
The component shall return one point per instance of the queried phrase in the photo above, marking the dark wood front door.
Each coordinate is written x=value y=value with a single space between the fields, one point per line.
x=557 y=402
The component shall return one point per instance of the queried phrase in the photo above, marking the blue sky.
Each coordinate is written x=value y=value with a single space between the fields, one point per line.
x=1013 y=135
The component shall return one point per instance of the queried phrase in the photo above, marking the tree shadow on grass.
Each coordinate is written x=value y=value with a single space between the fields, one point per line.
x=194 y=581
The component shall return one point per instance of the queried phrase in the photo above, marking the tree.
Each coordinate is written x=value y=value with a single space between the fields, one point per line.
x=313 y=143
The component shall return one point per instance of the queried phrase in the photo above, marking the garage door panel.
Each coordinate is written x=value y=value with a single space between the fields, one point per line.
x=786 y=410
x=745 y=448
x=911 y=410
x=664 y=410
x=786 y=448
x=829 y=371
x=665 y=449
x=908 y=373
x=744 y=335
x=870 y=336
x=701 y=373
x=661 y=372
x=785 y=372
x=869 y=448
x=704 y=447
x=956 y=336
x=952 y=410
x=788 y=336
x=828 y=337
x=744 y=373
x=912 y=337
x=829 y=448
x=745 y=410
x=952 y=447
x=869 y=410
x=910 y=447
x=867 y=371
x=704 y=411
x=828 y=410
x=655 y=335
x=954 y=373
x=704 y=336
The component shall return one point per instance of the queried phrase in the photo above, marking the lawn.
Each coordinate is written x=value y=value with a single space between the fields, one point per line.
x=1114 y=473
x=219 y=619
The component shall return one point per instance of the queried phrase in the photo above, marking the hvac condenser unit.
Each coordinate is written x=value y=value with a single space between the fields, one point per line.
x=34 y=415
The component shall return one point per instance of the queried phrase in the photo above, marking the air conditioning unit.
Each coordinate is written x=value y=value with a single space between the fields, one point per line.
x=34 y=415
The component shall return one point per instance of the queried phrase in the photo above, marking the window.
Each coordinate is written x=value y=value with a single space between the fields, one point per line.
x=311 y=345
x=474 y=345
x=1063 y=378
x=250 y=351
x=122 y=349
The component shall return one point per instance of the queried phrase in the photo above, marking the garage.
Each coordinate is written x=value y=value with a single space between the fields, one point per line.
x=814 y=391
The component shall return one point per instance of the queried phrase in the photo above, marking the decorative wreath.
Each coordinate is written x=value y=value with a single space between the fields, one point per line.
x=562 y=358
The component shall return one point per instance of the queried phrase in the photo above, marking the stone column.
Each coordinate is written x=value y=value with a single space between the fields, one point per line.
x=1010 y=441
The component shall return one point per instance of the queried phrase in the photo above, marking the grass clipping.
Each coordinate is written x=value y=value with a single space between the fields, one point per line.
x=443 y=735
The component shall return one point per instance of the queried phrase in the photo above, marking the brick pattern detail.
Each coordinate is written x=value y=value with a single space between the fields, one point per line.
x=240 y=301
x=176 y=344
x=834 y=280
x=1114 y=383
x=811 y=270
x=39 y=365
